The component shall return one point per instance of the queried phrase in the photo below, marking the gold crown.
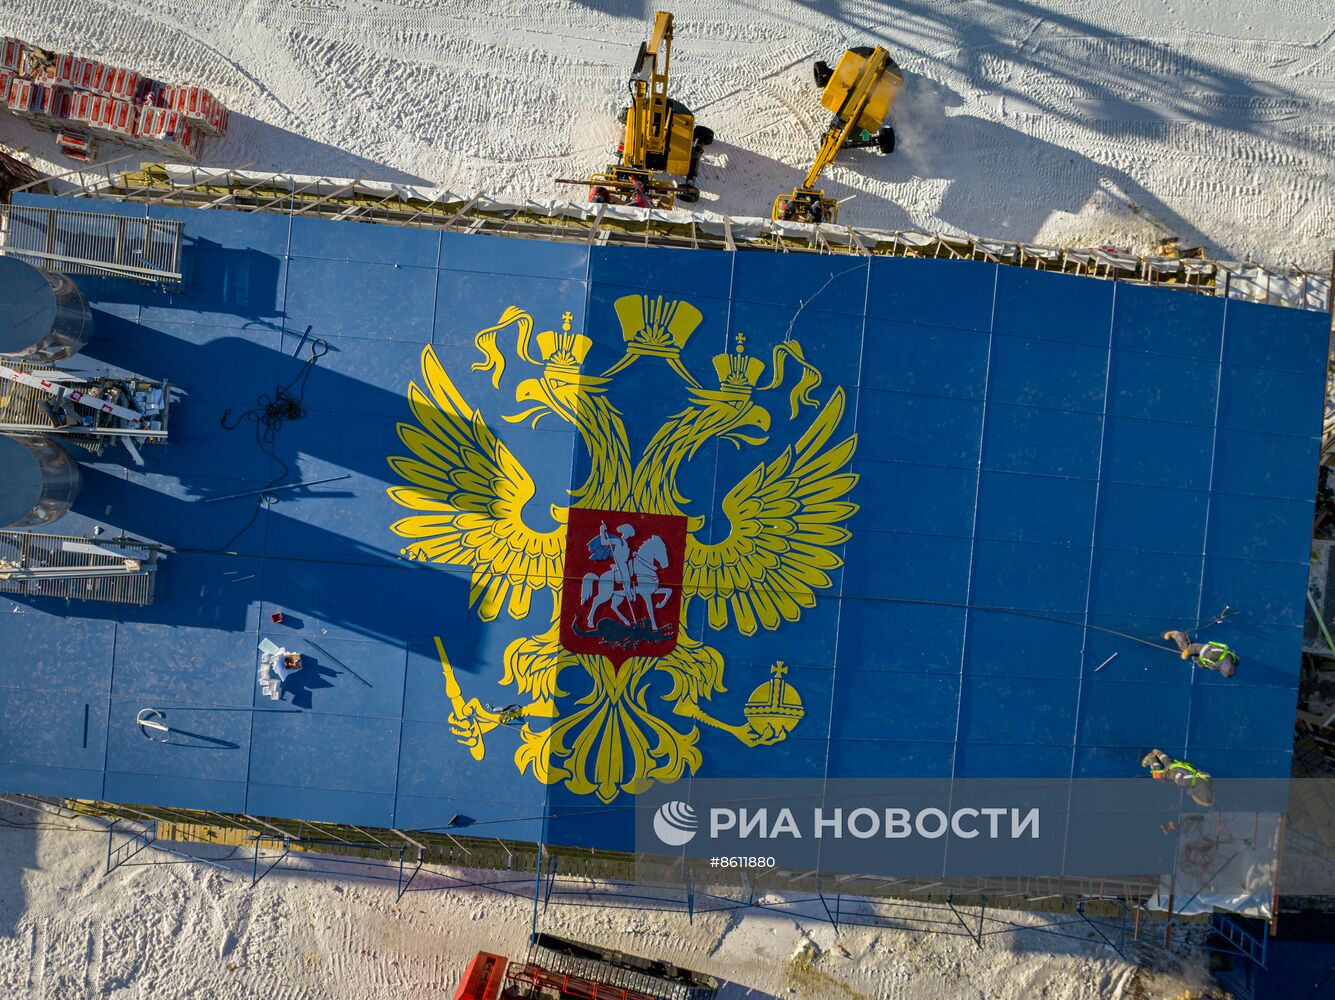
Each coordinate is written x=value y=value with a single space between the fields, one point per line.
x=737 y=373
x=564 y=352
x=655 y=326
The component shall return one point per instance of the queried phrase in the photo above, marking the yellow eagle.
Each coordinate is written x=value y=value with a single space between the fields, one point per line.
x=473 y=504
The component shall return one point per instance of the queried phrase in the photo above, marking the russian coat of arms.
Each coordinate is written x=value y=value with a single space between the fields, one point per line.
x=626 y=560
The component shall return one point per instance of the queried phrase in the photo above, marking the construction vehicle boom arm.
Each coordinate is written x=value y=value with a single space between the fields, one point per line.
x=847 y=118
x=649 y=102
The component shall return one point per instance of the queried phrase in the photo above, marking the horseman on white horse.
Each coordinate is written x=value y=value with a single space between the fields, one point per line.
x=621 y=583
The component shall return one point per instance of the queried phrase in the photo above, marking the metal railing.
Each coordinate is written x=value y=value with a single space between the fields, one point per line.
x=58 y=239
x=119 y=570
x=344 y=199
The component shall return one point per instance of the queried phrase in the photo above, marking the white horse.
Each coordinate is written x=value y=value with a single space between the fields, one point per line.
x=649 y=558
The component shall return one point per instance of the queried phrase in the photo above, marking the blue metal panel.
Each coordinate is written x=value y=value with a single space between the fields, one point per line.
x=933 y=292
x=1150 y=518
x=1053 y=306
x=666 y=271
x=1131 y=715
x=1272 y=401
x=1042 y=442
x=1167 y=324
x=801 y=280
x=242 y=362
x=467 y=301
x=257 y=231
x=1279 y=339
x=1110 y=761
x=352 y=299
x=345 y=521
x=341 y=676
x=1257 y=528
x=433 y=765
x=157 y=663
x=206 y=743
x=1166 y=584
x=890 y=759
x=1152 y=387
x=1153 y=453
x=474 y=650
x=1276 y=589
x=886 y=705
x=1288 y=471
x=51 y=779
x=219 y=287
x=926 y=430
x=58 y=654
x=1031 y=372
x=353 y=377
x=1029 y=576
x=1236 y=717
x=313 y=750
x=884 y=635
x=365 y=242
x=834 y=338
x=930 y=360
x=600 y=829
x=330 y=805
x=1017 y=645
x=1018 y=710
x=527 y=258
x=923 y=567
x=393 y=600
x=797 y=757
x=53 y=727
x=183 y=793
x=924 y=499
x=1016 y=508
x=1010 y=760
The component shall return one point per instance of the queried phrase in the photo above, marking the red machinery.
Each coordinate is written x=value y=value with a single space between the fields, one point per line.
x=558 y=969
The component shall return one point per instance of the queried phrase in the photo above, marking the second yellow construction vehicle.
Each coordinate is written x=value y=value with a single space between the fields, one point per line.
x=859 y=92
x=661 y=136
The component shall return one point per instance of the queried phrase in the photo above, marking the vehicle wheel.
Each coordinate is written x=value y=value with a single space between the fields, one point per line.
x=703 y=136
x=822 y=72
x=622 y=115
x=688 y=193
x=885 y=140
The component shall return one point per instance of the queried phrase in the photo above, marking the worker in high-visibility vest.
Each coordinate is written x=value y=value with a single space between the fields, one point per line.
x=1210 y=655
x=1196 y=782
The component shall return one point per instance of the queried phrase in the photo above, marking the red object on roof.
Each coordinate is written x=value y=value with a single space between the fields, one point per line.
x=484 y=978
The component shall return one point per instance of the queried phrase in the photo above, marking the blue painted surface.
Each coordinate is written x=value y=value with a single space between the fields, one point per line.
x=1048 y=451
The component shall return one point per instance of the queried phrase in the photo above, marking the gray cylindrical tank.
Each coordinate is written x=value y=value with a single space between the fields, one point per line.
x=38 y=481
x=43 y=317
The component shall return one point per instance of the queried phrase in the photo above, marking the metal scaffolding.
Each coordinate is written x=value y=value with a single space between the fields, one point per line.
x=251 y=848
x=120 y=570
x=58 y=239
x=343 y=199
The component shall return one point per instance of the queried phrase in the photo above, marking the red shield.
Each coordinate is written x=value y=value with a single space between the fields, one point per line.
x=622 y=591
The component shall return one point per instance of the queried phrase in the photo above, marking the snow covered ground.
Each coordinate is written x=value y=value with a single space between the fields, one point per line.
x=182 y=931
x=1039 y=120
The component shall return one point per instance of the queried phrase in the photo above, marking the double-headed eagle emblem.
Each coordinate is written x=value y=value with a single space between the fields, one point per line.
x=589 y=720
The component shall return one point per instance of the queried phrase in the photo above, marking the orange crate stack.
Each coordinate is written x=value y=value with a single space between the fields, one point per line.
x=82 y=98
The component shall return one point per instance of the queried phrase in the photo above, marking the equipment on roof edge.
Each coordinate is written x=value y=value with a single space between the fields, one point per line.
x=859 y=92
x=661 y=136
